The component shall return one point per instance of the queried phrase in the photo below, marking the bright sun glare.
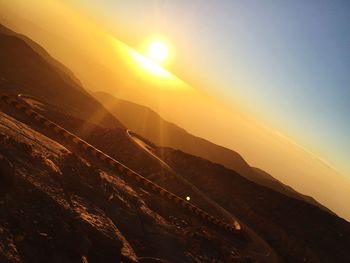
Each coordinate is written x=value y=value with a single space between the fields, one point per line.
x=146 y=62
x=157 y=51
x=156 y=54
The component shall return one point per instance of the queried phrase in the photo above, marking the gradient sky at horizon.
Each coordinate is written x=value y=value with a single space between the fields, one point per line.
x=287 y=61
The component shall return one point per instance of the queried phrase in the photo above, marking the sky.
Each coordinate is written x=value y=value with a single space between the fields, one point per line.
x=268 y=79
x=288 y=61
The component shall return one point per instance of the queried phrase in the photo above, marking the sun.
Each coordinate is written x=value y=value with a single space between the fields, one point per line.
x=157 y=51
x=146 y=69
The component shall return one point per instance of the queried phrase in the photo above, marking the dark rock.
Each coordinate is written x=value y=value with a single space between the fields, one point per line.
x=7 y=173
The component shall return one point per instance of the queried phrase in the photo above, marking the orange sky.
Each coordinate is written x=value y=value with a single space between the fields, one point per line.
x=103 y=62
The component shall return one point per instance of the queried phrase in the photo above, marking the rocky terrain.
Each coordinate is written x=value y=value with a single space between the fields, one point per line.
x=62 y=206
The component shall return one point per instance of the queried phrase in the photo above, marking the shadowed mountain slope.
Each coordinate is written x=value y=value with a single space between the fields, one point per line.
x=60 y=69
x=146 y=122
x=292 y=227
x=33 y=71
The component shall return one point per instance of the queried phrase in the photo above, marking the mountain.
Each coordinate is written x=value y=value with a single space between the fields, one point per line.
x=60 y=69
x=292 y=227
x=146 y=122
x=60 y=202
x=29 y=69
x=60 y=206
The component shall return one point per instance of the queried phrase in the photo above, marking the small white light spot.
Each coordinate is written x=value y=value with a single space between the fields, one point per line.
x=188 y=198
x=237 y=225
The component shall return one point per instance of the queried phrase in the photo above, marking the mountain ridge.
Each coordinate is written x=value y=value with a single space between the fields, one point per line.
x=38 y=73
x=144 y=120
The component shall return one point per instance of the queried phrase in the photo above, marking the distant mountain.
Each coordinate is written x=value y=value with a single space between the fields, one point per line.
x=27 y=68
x=146 y=122
x=297 y=230
x=60 y=69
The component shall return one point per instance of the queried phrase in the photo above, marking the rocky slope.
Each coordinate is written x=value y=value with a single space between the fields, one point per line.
x=58 y=205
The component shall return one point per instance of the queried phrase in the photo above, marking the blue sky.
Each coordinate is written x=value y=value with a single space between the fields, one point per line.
x=286 y=61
